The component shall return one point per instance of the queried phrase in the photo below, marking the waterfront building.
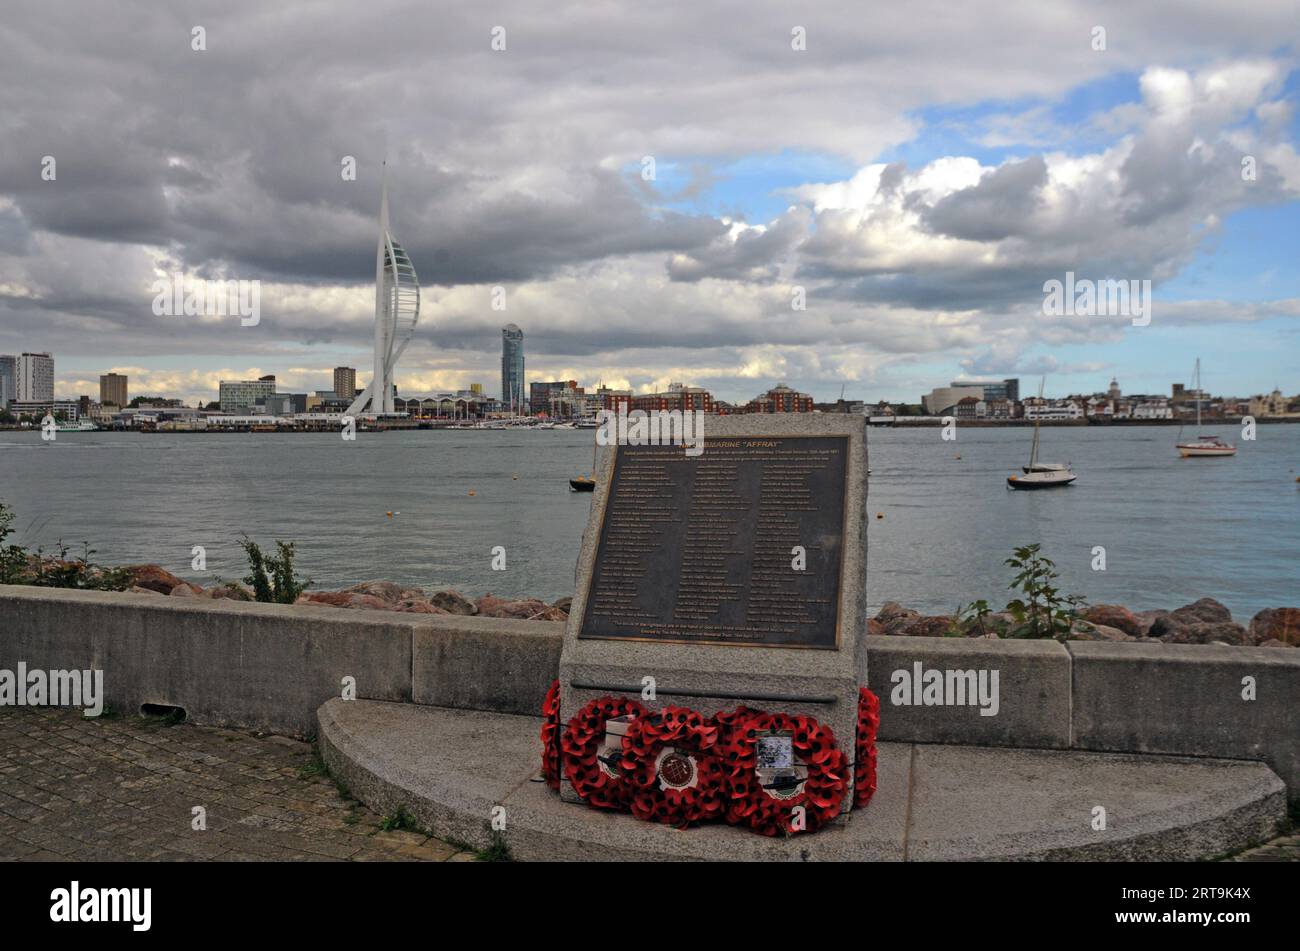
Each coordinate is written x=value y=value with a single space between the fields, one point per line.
x=345 y=382
x=1274 y=404
x=780 y=399
x=559 y=398
x=8 y=379
x=284 y=404
x=397 y=312
x=1052 y=409
x=240 y=396
x=678 y=397
x=1008 y=389
x=112 y=389
x=612 y=399
x=35 y=378
x=68 y=410
x=1156 y=408
x=512 y=368
x=941 y=400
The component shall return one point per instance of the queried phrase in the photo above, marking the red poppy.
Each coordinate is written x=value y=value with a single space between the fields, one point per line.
x=864 y=769
x=551 y=736
x=580 y=747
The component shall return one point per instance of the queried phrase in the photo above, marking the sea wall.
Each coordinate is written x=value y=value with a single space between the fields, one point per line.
x=268 y=667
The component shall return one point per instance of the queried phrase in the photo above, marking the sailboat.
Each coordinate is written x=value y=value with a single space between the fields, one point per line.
x=1204 y=445
x=1041 y=475
x=585 y=483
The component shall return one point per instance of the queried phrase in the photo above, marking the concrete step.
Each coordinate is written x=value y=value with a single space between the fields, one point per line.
x=448 y=769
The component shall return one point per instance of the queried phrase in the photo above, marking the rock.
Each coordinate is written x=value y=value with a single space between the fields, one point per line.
x=229 y=592
x=490 y=606
x=1274 y=642
x=1114 y=616
x=893 y=617
x=931 y=626
x=1204 y=611
x=1108 y=633
x=891 y=610
x=553 y=613
x=346 y=599
x=563 y=604
x=1083 y=631
x=1208 y=632
x=413 y=594
x=874 y=627
x=153 y=577
x=384 y=590
x=1147 y=618
x=1279 y=624
x=186 y=590
x=418 y=606
x=136 y=589
x=996 y=625
x=453 y=602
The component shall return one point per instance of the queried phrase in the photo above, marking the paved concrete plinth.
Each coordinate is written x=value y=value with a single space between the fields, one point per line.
x=1032 y=696
x=1191 y=699
x=449 y=768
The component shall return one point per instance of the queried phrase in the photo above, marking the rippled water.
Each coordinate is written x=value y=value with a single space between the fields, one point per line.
x=1173 y=529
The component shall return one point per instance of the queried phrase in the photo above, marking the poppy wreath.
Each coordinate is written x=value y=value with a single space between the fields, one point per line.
x=581 y=744
x=864 y=767
x=669 y=763
x=551 y=736
x=814 y=746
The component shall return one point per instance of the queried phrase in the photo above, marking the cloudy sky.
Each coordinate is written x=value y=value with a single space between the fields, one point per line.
x=919 y=170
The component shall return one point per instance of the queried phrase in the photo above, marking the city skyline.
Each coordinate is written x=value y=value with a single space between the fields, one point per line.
x=919 y=221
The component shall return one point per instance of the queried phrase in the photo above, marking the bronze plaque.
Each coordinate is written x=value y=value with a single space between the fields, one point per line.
x=701 y=550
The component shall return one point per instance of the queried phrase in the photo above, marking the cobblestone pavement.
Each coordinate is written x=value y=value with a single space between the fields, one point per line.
x=1282 y=849
x=123 y=788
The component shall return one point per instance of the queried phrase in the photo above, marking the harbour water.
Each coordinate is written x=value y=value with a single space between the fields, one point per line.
x=1173 y=530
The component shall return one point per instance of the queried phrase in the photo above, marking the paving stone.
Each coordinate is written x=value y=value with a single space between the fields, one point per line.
x=122 y=789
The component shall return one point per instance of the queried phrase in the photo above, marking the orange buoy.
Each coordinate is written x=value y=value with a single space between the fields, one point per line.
x=471 y=491
x=880 y=515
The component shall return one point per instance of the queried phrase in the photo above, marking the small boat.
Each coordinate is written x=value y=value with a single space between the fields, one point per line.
x=1206 y=446
x=1203 y=445
x=582 y=484
x=1040 y=475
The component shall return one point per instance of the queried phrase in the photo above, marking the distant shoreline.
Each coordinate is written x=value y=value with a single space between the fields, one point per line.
x=903 y=422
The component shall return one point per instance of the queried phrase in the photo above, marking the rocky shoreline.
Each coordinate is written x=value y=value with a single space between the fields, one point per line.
x=1203 y=622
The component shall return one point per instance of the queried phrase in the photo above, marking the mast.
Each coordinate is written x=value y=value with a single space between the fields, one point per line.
x=1038 y=418
x=1198 y=394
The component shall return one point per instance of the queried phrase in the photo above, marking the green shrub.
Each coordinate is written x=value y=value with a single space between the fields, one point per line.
x=1041 y=611
x=272 y=579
